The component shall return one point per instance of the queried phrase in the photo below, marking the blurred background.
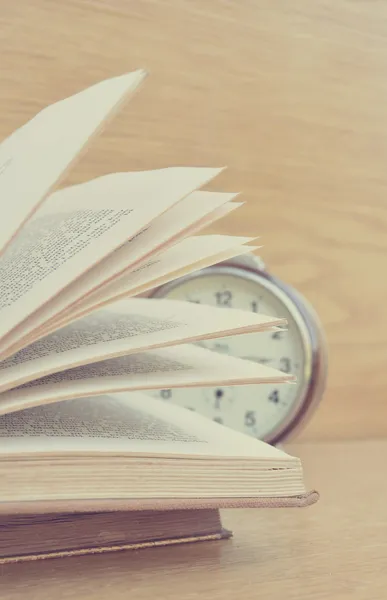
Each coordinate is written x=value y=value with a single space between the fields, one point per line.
x=291 y=97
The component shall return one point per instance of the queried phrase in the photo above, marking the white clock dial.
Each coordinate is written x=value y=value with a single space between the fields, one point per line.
x=258 y=410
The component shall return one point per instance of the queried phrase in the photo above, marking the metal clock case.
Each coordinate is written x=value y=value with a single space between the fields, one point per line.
x=247 y=280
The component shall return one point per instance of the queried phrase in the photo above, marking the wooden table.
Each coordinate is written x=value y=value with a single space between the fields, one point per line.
x=335 y=550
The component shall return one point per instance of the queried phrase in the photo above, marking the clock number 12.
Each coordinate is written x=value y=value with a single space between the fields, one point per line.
x=223 y=298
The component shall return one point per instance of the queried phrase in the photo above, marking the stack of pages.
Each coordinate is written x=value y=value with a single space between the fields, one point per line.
x=78 y=342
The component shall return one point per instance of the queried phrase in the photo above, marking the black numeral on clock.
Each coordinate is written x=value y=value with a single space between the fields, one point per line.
x=274 y=397
x=223 y=298
x=166 y=394
x=250 y=418
x=285 y=365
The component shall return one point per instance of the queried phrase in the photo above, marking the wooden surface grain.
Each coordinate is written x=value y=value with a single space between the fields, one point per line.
x=291 y=96
x=334 y=550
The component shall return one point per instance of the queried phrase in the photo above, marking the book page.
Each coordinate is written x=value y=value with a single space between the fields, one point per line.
x=35 y=156
x=126 y=327
x=207 y=261
x=130 y=423
x=79 y=309
x=143 y=289
x=142 y=248
x=77 y=227
x=192 y=213
x=194 y=252
x=181 y=254
x=163 y=231
x=203 y=262
x=182 y=366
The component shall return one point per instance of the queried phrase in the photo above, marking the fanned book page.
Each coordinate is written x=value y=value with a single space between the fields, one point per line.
x=76 y=256
x=189 y=255
x=77 y=227
x=180 y=367
x=73 y=328
x=35 y=157
x=126 y=327
x=168 y=228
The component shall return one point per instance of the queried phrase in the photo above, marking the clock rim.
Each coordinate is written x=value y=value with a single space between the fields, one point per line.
x=310 y=329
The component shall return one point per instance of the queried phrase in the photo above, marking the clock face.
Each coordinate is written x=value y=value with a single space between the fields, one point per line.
x=258 y=410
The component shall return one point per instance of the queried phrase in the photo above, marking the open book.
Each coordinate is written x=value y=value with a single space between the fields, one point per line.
x=74 y=263
x=64 y=467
